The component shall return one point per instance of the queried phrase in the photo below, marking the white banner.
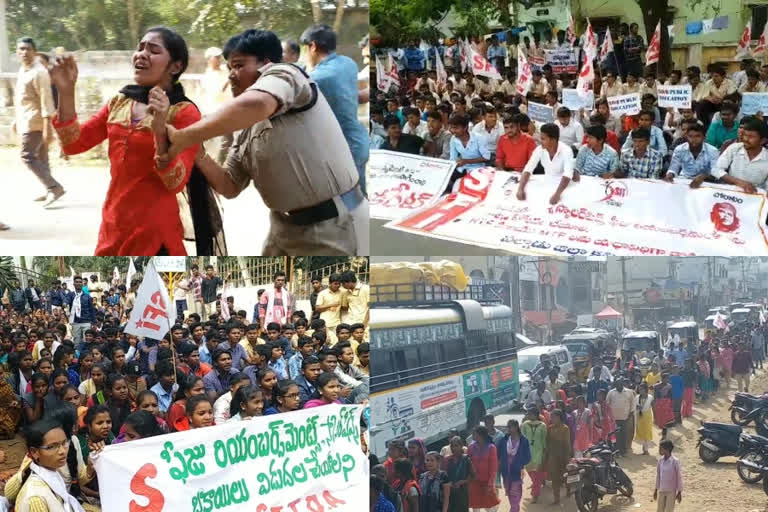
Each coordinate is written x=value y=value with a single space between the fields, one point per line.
x=596 y=217
x=153 y=308
x=399 y=183
x=575 y=101
x=170 y=263
x=541 y=112
x=301 y=461
x=675 y=96
x=129 y=274
x=563 y=60
x=628 y=104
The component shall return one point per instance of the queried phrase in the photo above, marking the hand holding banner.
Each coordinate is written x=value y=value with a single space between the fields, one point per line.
x=754 y=102
x=540 y=112
x=575 y=101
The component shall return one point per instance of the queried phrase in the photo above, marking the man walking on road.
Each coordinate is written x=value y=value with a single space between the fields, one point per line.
x=669 y=479
x=620 y=400
x=33 y=100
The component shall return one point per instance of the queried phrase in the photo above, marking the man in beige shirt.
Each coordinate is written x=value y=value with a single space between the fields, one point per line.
x=356 y=299
x=291 y=146
x=612 y=86
x=715 y=89
x=33 y=99
x=329 y=302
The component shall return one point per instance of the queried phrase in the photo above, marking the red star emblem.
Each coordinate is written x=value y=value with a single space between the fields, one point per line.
x=139 y=323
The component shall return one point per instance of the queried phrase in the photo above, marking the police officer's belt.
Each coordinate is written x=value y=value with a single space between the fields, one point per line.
x=326 y=210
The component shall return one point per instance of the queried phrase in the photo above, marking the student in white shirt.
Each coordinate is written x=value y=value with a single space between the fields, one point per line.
x=489 y=130
x=413 y=124
x=556 y=158
x=571 y=131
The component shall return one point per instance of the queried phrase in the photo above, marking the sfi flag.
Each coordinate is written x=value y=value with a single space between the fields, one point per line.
x=760 y=49
x=590 y=42
x=607 y=47
x=442 y=76
x=153 y=311
x=394 y=78
x=586 y=76
x=742 y=49
x=115 y=277
x=481 y=66
x=129 y=275
x=382 y=81
x=524 y=74
x=654 y=47
x=571 y=32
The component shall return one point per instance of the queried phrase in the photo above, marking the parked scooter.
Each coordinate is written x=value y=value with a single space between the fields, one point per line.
x=746 y=408
x=596 y=474
x=720 y=440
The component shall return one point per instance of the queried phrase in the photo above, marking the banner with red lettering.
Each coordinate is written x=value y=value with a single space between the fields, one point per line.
x=153 y=308
x=399 y=183
x=301 y=461
x=596 y=217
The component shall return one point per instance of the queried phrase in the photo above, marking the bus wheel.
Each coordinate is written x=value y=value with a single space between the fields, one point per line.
x=476 y=413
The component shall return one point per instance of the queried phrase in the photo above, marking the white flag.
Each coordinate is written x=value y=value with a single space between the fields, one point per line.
x=761 y=43
x=442 y=76
x=153 y=311
x=590 y=42
x=423 y=46
x=607 y=46
x=742 y=49
x=382 y=80
x=719 y=322
x=130 y=274
x=224 y=305
x=115 y=277
x=394 y=78
x=586 y=76
x=524 y=74
x=481 y=66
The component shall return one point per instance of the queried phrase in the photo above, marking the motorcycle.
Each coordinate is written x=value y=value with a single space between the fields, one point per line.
x=596 y=474
x=752 y=465
x=746 y=408
x=720 y=440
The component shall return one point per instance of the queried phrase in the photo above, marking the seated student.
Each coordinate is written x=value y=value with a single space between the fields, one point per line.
x=693 y=157
x=571 y=131
x=713 y=93
x=515 y=147
x=595 y=158
x=744 y=163
x=550 y=99
x=488 y=130
x=96 y=434
x=177 y=414
x=413 y=123
x=725 y=128
x=221 y=405
x=437 y=142
x=329 y=391
x=199 y=412
x=306 y=349
x=307 y=381
x=287 y=398
x=364 y=358
x=248 y=403
x=648 y=102
x=640 y=160
x=466 y=149
x=674 y=119
x=656 y=137
x=398 y=141
x=554 y=156
x=612 y=86
x=632 y=85
x=166 y=386
x=610 y=136
x=683 y=133
x=753 y=83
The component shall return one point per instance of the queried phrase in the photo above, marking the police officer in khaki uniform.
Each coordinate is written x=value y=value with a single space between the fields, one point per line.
x=290 y=146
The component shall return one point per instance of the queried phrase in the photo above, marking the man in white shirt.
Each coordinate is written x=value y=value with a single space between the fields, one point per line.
x=554 y=156
x=740 y=77
x=621 y=401
x=539 y=394
x=612 y=86
x=489 y=131
x=571 y=131
x=413 y=124
x=745 y=163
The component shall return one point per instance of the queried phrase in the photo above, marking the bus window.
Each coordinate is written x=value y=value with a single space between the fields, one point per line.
x=453 y=352
x=407 y=363
x=429 y=367
x=493 y=344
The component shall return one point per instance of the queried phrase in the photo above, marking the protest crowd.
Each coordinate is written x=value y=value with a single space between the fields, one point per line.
x=598 y=105
x=563 y=419
x=73 y=380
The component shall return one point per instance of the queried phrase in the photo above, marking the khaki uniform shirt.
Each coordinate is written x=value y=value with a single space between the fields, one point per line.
x=356 y=301
x=631 y=89
x=699 y=92
x=726 y=87
x=606 y=91
x=331 y=316
x=295 y=160
x=33 y=99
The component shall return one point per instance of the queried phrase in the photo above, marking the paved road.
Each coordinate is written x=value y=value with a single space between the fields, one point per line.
x=388 y=242
x=70 y=227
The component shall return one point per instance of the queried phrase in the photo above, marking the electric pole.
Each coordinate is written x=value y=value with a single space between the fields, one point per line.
x=624 y=298
x=513 y=271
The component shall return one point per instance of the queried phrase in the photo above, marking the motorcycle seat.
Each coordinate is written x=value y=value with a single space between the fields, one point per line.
x=592 y=461
x=759 y=439
x=727 y=427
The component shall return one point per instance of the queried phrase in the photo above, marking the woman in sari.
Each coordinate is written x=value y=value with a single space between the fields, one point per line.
x=459 y=470
x=558 y=452
x=140 y=215
x=482 y=485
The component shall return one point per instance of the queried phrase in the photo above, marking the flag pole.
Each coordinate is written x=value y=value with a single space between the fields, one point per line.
x=171 y=278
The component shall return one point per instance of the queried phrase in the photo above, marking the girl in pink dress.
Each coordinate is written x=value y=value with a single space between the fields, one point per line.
x=596 y=430
x=607 y=422
x=583 y=421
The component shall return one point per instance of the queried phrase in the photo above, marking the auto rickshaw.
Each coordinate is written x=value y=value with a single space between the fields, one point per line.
x=688 y=332
x=586 y=349
x=646 y=345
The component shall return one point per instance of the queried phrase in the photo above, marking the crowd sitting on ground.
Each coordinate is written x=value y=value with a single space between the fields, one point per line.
x=563 y=420
x=480 y=122
x=75 y=381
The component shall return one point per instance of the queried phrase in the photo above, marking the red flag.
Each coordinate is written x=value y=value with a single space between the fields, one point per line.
x=153 y=310
x=590 y=42
x=586 y=76
x=394 y=78
x=760 y=49
x=742 y=49
x=481 y=66
x=524 y=74
x=571 y=32
x=654 y=47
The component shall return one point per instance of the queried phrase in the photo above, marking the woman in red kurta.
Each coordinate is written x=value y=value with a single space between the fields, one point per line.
x=140 y=215
x=482 y=485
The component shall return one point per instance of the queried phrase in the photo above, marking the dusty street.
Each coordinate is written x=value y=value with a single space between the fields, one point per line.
x=707 y=488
